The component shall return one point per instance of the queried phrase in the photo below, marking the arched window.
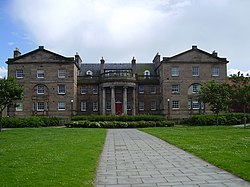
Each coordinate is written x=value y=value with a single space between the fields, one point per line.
x=89 y=73
x=146 y=74
x=194 y=88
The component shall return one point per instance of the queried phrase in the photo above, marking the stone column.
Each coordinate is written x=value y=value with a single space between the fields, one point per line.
x=133 y=109
x=113 y=100
x=103 y=101
x=125 y=100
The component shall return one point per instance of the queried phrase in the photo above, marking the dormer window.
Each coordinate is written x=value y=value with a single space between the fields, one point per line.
x=146 y=74
x=89 y=73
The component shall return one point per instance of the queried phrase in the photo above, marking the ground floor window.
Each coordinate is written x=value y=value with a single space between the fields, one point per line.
x=141 y=105
x=95 y=106
x=153 y=105
x=108 y=105
x=175 y=104
x=61 y=105
x=129 y=105
x=83 y=105
x=19 y=107
x=195 y=105
x=40 y=106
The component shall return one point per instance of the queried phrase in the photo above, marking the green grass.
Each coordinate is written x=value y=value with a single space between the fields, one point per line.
x=50 y=157
x=225 y=147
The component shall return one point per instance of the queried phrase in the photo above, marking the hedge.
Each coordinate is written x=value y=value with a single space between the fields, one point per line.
x=124 y=118
x=33 y=121
x=118 y=124
x=209 y=120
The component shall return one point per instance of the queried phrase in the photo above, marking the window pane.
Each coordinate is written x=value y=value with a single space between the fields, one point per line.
x=141 y=89
x=19 y=106
x=153 y=105
x=141 y=105
x=61 y=106
x=215 y=72
x=95 y=106
x=95 y=89
x=61 y=73
x=108 y=105
x=40 y=106
x=196 y=88
x=175 y=88
x=83 y=105
x=175 y=105
x=19 y=73
x=40 y=73
x=61 y=89
x=153 y=89
x=40 y=89
x=83 y=90
x=195 y=71
x=129 y=105
x=175 y=71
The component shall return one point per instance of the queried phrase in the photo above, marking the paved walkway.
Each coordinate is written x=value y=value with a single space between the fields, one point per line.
x=135 y=159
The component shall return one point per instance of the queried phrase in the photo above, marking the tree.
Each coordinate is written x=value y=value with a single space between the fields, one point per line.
x=216 y=95
x=10 y=91
x=240 y=92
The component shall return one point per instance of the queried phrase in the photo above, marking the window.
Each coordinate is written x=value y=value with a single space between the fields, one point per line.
x=19 y=73
x=19 y=107
x=83 y=105
x=195 y=71
x=61 y=105
x=40 y=89
x=153 y=105
x=146 y=74
x=129 y=105
x=95 y=106
x=195 y=105
x=89 y=73
x=95 y=89
x=141 y=89
x=61 y=73
x=108 y=105
x=83 y=90
x=61 y=89
x=175 y=88
x=153 y=89
x=215 y=72
x=175 y=71
x=40 y=73
x=40 y=106
x=175 y=104
x=141 y=105
x=196 y=88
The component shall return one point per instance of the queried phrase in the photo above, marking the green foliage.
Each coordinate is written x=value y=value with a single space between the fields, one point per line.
x=209 y=120
x=50 y=156
x=118 y=124
x=33 y=121
x=223 y=146
x=119 y=118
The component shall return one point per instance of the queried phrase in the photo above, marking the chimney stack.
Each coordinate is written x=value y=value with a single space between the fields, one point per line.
x=102 y=65
x=133 y=61
x=17 y=53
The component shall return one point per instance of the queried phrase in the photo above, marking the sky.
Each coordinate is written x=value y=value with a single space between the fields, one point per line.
x=119 y=30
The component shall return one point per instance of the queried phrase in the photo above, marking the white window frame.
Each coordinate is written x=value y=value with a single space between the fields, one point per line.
x=215 y=72
x=153 y=89
x=61 y=105
x=83 y=90
x=83 y=106
x=175 y=72
x=195 y=88
x=61 y=73
x=141 y=89
x=141 y=105
x=61 y=89
x=95 y=106
x=40 y=89
x=19 y=74
x=95 y=90
x=40 y=73
x=40 y=106
x=153 y=105
x=19 y=107
x=195 y=71
x=175 y=104
x=175 y=88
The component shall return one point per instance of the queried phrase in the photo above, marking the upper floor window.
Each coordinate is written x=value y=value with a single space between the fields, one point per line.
x=215 y=72
x=61 y=89
x=175 y=71
x=196 y=88
x=95 y=106
x=146 y=74
x=175 y=88
x=83 y=105
x=95 y=89
x=141 y=89
x=61 y=73
x=61 y=105
x=175 y=104
x=89 y=73
x=19 y=73
x=19 y=107
x=195 y=71
x=40 y=73
x=153 y=89
x=83 y=90
x=40 y=89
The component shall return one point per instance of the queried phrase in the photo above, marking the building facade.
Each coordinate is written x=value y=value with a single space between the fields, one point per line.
x=55 y=85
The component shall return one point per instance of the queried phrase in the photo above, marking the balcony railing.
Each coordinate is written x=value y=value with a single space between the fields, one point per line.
x=118 y=76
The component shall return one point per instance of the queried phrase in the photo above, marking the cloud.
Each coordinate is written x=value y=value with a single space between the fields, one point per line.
x=119 y=30
x=3 y=72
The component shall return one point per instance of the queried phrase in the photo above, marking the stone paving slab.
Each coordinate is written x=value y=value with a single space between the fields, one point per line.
x=132 y=158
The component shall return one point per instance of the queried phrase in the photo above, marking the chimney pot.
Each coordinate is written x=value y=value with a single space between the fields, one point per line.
x=16 y=53
x=194 y=47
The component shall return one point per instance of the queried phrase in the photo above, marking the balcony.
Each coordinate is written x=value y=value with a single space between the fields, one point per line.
x=118 y=76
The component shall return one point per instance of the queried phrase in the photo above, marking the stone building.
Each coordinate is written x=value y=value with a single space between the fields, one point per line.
x=55 y=85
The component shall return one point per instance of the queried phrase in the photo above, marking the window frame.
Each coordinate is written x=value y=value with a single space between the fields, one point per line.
x=38 y=106
x=61 y=91
x=153 y=89
x=19 y=107
x=95 y=106
x=83 y=106
x=40 y=72
x=215 y=71
x=141 y=105
x=83 y=90
x=175 y=88
x=61 y=73
x=19 y=75
x=60 y=108
x=38 y=90
x=175 y=104
x=141 y=89
x=95 y=90
x=153 y=105
x=195 y=71
x=175 y=71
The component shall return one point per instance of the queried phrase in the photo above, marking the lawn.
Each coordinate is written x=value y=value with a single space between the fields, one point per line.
x=50 y=157
x=225 y=147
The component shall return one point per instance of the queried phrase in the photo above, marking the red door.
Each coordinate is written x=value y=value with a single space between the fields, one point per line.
x=118 y=108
